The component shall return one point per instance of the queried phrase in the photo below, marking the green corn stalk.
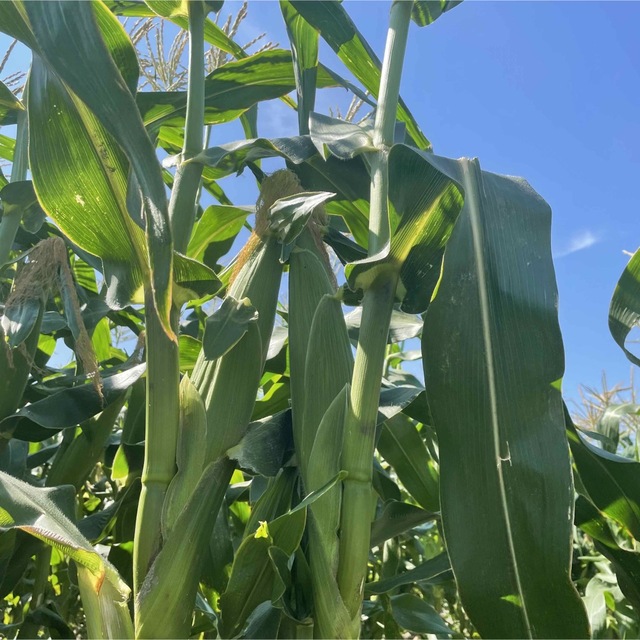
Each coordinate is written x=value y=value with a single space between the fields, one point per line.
x=163 y=372
x=359 y=437
x=228 y=387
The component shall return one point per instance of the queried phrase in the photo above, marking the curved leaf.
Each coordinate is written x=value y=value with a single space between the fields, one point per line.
x=231 y=90
x=341 y=34
x=624 y=311
x=613 y=482
x=492 y=354
x=426 y=194
x=39 y=420
x=304 y=51
x=425 y=12
x=71 y=44
x=43 y=514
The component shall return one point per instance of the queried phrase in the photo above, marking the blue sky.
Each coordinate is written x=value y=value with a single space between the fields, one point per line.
x=546 y=90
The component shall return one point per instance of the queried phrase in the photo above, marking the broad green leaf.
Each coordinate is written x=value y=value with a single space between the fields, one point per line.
x=226 y=326
x=9 y=106
x=612 y=482
x=304 y=51
x=189 y=350
x=253 y=574
x=231 y=157
x=67 y=408
x=71 y=44
x=266 y=446
x=417 y=615
x=625 y=562
x=20 y=198
x=230 y=90
x=624 y=311
x=397 y=518
x=433 y=569
x=43 y=514
x=402 y=447
x=426 y=193
x=425 y=12
x=14 y=22
x=404 y=326
x=217 y=224
x=341 y=34
x=92 y=208
x=344 y=140
x=492 y=354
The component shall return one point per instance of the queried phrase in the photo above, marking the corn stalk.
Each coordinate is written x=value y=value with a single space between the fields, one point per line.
x=359 y=439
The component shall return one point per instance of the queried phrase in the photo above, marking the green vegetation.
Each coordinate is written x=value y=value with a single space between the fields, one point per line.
x=217 y=463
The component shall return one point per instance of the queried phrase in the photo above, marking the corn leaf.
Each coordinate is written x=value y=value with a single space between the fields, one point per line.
x=624 y=311
x=253 y=574
x=612 y=482
x=433 y=569
x=626 y=563
x=425 y=12
x=333 y=23
x=304 y=51
x=67 y=408
x=427 y=197
x=402 y=447
x=44 y=513
x=231 y=90
x=71 y=44
x=492 y=354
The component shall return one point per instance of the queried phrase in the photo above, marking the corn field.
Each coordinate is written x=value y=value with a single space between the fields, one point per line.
x=334 y=414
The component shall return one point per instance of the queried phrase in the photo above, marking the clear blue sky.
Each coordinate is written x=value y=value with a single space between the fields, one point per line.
x=546 y=90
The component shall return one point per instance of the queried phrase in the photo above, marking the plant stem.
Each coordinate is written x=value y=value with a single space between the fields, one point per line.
x=359 y=444
x=385 y=122
x=163 y=371
x=11 y=222
x=161 y=439
x=186 y=186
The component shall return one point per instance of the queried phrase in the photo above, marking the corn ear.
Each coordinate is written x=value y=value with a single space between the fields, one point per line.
x=165 y=602
x=309 y=280
x=328 y=368
x=190 y=453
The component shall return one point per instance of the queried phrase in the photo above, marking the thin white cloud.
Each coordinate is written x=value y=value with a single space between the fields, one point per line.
x=580 y=241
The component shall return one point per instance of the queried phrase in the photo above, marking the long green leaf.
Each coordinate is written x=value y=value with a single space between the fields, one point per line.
x=304 y=50
x=91 y=209
x=612 y=482
x=427 y=199
x=341 y=34
x=230 y=90
x=492 y=354
x=624 y=312
x=43 y=514
x=425 y=12
x=72 y=45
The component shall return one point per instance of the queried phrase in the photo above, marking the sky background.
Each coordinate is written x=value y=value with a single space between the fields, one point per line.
x=546 y=90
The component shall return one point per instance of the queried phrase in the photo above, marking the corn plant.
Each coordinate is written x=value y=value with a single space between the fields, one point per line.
x=256 y=468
